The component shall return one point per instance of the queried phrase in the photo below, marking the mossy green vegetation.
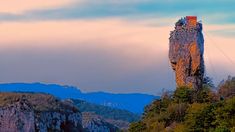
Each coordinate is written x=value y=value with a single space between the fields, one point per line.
x=191 y=110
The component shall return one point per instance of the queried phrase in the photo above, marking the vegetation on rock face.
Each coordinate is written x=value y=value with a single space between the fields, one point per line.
x=227 y=88
x=190 y=110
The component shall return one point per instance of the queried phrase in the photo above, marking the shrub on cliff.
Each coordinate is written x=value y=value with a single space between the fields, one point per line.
x=200 y=117
x=137 y=127
x=225 y=114
x=227 y=88
x=183 y=94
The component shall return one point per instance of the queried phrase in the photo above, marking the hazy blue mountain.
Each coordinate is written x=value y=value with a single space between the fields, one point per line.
x=132 y=102
x=106 y=112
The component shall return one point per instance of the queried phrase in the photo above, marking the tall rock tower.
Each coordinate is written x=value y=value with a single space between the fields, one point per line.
x=186 y=52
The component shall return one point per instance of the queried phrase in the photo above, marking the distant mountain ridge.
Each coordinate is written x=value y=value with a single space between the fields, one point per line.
x=117 y=117
x=132 y=102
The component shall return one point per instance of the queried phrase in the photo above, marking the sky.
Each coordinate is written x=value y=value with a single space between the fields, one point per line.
x=118 y=46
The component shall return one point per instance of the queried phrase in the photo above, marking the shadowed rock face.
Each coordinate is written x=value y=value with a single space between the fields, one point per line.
x=24 y=112
x=18 y=116
x=186 y=55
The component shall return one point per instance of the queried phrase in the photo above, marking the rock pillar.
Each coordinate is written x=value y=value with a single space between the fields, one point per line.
x=186 y=53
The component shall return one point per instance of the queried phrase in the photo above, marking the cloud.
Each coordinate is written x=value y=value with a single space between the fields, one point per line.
x=21 y=6
x=107 y=54
x=80 y=31
x=113 y=55
x=212 y=12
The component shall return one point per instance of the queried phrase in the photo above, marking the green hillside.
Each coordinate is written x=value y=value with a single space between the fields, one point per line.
x=188 y=110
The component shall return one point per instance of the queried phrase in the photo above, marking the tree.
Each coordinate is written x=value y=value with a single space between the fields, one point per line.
x=225 y=114
x=183 y=94
x=227 y=88
x=200 y=117
x=177 y=111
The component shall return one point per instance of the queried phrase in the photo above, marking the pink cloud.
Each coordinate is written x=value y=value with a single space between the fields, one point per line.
x=132 y=38
x=20 y=6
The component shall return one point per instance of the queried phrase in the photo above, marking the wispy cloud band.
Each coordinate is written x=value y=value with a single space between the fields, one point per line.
x=217 y=11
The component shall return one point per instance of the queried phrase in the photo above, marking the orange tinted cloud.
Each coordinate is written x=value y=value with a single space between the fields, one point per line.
x=131 y=37
x=111 y=32
x=134 y=41
x=20 y=6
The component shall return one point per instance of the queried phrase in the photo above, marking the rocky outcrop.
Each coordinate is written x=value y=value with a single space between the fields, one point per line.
x=22 y=112
x=18 y=116
x=94 y=123
x=30 y=112
x=186 y=54
x=56 y=121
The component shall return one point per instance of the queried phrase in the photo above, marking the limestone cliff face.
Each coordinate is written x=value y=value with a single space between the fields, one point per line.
x=186 y=54
x=18 y=116
x=37 y=112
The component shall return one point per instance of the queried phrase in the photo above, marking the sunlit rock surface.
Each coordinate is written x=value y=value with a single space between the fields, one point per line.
x=186 y=54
